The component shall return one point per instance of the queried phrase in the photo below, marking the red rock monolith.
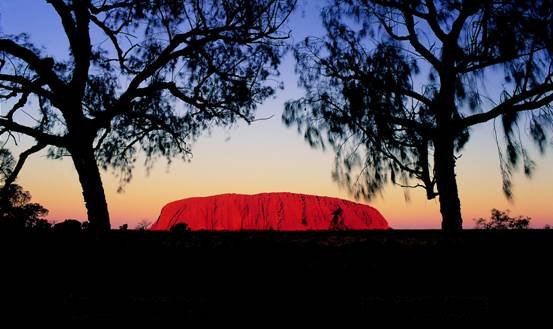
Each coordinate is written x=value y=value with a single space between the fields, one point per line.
x=281 y=211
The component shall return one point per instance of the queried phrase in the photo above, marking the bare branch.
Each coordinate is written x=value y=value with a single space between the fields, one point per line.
x=22 y=158
x=43 y=67
x=263 y=118
x=27 y=85
x=40 y=136
x=414 y=41
x=113 y=38
x=64 y=12
x=108 y=7
x=432 y=19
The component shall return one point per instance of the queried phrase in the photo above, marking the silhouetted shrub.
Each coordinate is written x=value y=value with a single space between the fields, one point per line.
x=124 y=227
x=85 y=226
x=41 y=225
x=142 y=225
x=501 y=220
x=68 y=226
x=180 y=228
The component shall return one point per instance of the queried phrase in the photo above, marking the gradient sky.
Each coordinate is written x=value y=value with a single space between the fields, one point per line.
x=264 y=157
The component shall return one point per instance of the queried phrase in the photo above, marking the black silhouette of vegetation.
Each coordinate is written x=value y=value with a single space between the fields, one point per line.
x=69 y=226
x=17 y=212
x=180 y=228
x=395 y=87
x=143 y=225
x=167 y=71
x=345 y=277
x=502 y=220
x=337 y=221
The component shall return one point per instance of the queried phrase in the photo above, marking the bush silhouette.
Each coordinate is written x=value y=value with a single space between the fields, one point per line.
x=180 y=228
x=68 y=226
x=501 y=220
x=142 y=225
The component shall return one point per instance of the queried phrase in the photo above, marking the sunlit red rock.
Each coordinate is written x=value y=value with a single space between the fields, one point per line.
x=269 y=211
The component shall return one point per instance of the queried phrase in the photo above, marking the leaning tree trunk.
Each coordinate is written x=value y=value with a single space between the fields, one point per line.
x=444 y=167
x=91 y=184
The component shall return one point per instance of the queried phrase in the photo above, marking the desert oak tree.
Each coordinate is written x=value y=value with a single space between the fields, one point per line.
x=140 y=75
x=395 y=87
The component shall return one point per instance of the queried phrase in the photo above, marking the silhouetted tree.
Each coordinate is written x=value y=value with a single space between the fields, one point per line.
x=146 y=75
x=16 y=209
x=501 y=220
x=395 y=86
x=18 y=212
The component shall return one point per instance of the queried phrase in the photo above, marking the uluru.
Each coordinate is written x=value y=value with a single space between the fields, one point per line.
x=282 y=211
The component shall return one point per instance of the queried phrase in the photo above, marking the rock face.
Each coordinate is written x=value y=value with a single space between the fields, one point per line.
x=269 y=211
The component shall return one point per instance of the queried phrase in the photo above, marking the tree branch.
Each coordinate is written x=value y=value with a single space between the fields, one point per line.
x=28 y=85
x=22 y=158
x=40 y=136
x=43 y=67
x=511 y=105
x=64 y=12
x=81 y=47
x=113 y=38
x=414 y=41
x=432 y=19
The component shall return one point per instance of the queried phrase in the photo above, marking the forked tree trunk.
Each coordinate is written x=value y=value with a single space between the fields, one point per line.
x=91 y=184
x=444 y=166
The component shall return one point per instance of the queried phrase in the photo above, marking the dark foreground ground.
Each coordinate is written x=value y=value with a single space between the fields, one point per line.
x=270 y=278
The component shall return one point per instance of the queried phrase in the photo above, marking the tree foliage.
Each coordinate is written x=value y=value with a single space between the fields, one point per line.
x=394 y=88
x=211 y=56
x=16 y=208
x=141 y=77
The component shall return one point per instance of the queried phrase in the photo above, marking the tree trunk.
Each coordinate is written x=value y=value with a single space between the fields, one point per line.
x=91 y=184
x=444 y=166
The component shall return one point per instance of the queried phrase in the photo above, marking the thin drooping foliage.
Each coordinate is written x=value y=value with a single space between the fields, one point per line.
x=396 y=86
